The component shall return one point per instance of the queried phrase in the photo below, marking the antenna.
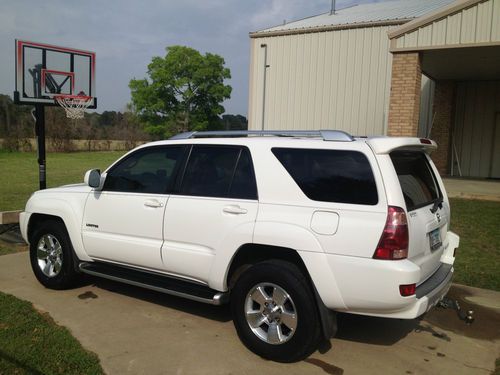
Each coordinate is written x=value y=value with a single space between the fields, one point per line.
x=332 y=10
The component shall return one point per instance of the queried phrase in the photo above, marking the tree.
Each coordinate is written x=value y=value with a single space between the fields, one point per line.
x=234 y=122
x=16 y=124
x=183 y=91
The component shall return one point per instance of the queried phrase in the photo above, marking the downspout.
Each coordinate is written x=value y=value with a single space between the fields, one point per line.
x=264 y=89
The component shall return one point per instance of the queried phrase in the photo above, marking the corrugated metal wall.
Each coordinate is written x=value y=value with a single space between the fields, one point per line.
x=477 y=24
x=477 y=105
x=327 y=80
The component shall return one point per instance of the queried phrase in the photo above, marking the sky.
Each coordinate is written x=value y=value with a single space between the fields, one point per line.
x=126 y=34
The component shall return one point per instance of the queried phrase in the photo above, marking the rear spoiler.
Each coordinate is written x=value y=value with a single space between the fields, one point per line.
x=385 y=145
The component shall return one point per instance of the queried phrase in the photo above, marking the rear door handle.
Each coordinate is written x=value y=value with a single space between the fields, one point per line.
x=235 y=210
x=153 y=203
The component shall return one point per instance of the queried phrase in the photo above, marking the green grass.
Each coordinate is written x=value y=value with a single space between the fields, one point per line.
x=31 y=343
x=19 y=173
x=478 y=256
x=8 y=248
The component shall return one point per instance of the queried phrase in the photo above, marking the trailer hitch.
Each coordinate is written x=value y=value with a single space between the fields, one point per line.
x=449 y=303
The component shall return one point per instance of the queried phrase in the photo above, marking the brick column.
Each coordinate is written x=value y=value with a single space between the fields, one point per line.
x=442 y=110
x=404 y=105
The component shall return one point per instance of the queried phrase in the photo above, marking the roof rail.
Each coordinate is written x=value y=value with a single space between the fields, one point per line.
x=326 y=135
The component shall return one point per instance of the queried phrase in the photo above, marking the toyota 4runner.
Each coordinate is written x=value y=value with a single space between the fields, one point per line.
x=288 y=227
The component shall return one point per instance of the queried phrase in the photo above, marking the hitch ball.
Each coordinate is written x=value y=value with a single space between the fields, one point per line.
x=469 y=317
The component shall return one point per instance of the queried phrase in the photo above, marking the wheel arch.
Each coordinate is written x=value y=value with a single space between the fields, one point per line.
x=37 y=218
x=250 y=254
x=59 y=210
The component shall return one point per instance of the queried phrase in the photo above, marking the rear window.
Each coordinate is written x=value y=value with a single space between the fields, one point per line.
x=416 y=178
x=330 y=175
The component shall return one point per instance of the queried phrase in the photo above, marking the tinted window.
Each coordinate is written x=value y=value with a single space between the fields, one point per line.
x=209 y=171
x=416 y=178
x=330 y=175
x=243 y=185
x=145 y=171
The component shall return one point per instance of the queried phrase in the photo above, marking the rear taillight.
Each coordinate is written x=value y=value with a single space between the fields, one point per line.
x=407 y=290
x=393 y=244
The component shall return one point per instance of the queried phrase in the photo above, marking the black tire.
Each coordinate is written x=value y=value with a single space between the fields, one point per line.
x=307 y=334
x=66 y=275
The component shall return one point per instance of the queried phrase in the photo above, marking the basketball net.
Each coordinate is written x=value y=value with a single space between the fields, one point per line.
x=74 y=105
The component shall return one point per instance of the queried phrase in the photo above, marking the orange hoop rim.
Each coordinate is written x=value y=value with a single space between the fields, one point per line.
x=73 y=97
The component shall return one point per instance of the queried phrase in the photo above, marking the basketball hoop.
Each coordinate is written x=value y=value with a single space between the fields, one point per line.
x=74 y=105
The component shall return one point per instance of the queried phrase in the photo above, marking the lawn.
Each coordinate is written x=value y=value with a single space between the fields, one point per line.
x=9 y=248
x=19 y=172
x=478 y=256
x=31 y=343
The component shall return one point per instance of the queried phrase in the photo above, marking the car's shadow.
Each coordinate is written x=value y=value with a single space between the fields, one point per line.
x=381 y=331
x=218 y=313
x=357 y=328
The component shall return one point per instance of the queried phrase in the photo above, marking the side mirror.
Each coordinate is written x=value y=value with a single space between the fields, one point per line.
x=93 y=178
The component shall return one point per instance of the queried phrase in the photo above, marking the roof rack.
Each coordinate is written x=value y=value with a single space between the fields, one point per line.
x=326 y=135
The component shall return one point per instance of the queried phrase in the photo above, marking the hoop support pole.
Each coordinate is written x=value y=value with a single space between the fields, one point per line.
x=40 y=134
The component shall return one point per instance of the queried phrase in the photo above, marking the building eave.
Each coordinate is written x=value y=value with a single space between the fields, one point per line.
x=318 y=29
x=433 y=16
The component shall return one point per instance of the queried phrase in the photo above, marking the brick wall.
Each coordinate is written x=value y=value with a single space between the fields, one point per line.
x=443 y=115
x=404 y=105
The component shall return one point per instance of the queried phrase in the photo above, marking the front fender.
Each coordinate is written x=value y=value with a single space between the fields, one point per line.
x=71 y=215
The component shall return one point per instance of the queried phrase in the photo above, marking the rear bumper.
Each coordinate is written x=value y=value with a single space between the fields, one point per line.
x=428 y=295
x=371 y=287
x=375 y=290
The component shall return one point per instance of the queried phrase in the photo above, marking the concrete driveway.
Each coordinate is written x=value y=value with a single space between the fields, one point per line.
x=142 y=332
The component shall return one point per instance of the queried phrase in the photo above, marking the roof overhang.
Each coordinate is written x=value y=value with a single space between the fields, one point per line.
x=473 y=63
x=461 y=24
x=318 y=29
x=433 y=16
x=460 y=41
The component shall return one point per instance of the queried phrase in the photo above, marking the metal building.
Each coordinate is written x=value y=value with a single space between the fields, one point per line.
x=403 y=67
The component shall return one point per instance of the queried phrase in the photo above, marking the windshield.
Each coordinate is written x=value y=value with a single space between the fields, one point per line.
x=416 y=178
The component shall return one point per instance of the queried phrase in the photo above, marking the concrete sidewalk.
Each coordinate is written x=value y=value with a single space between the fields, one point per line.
x=472 y=189
x=136 y=331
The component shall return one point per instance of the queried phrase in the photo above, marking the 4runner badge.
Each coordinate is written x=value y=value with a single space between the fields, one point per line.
x=92 y=225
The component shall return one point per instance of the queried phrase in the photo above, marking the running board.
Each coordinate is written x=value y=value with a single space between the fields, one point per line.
x=155 y=281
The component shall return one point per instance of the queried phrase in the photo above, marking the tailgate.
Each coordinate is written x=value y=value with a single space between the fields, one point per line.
x=428 y=212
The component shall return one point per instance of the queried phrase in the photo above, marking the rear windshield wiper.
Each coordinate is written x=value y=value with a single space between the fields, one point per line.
x=438 y=203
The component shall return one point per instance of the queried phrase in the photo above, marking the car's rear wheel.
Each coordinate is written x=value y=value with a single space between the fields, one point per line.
x=274 y=311
x=52 y=257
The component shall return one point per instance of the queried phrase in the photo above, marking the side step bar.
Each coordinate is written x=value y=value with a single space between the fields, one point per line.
x=155 y=281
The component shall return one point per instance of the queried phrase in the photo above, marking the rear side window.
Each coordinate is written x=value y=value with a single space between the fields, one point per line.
x=416 y=178
x=218 y=171
x=330 y=175
x=243 y=184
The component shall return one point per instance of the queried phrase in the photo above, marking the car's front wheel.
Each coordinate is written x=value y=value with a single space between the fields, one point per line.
x=51 y=256
x=274 y=311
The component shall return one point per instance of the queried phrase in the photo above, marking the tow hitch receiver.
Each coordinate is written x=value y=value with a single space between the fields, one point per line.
x=448 y=303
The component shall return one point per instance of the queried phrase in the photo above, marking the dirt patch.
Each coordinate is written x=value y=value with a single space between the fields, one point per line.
x=485 y=327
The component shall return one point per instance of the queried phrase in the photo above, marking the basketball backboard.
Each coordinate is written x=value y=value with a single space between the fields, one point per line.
x=44 y=71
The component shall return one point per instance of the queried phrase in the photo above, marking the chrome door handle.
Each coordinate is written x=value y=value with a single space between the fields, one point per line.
x=153 y=203
x=235 y=210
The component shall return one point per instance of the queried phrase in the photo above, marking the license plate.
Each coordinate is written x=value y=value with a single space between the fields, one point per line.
x=435 y=239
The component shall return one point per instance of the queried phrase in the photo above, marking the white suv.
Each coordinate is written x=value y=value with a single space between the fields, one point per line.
x=288 y=227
